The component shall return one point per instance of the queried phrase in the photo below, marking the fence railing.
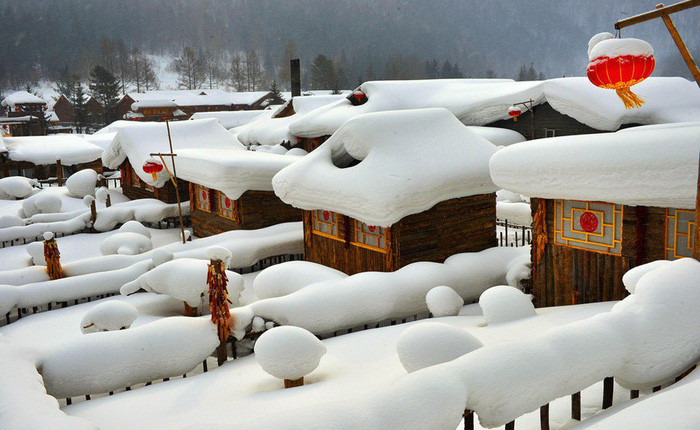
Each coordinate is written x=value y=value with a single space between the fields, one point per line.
x=510 y=234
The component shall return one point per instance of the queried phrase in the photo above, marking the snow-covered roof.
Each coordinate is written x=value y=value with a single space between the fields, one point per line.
x=44 y=150
x=136 y=141
x=408 y=162
x=231 y=171
x=482 y=101
x=202 y=97
x=2 y=145
x=152 y=104
x=275 y=130
x=498 y=136
x=652 y=166
x=229 y=119
x=21 y=97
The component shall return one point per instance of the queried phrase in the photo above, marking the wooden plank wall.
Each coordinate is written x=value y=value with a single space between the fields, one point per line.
x=165 y=194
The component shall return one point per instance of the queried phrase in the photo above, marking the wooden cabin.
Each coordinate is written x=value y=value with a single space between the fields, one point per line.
x=25 y=114
x=64 y=109
x=391 y=208
x=134 y=187
x=603 y=204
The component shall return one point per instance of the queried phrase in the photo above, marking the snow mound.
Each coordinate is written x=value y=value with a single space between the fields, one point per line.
x=126 y=243
x=9 y=298
x=503 y=303
x=597 y=39
x=430 y=343
x=82 y=183
x=161 y=256
x=135 y=227
x=101 y=194
x=297 y=151
x=48 y=235
x=219 y=253
x=42 y=202
x=285 y=278
x=36 y=251
x=612 y=48
x=17 y=187
x=632 y=276
x=108 y=316
x=10 y=221
x=443 y=301
x=289 y=352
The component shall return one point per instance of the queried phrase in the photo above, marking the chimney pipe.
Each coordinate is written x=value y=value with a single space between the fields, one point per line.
x=296 y=77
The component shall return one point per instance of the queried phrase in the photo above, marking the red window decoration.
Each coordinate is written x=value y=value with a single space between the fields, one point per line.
x=592 y=226
x=135 y=181
x=325 y=223
x=370 y=236
x=202 y=198
x=680 y=228
x=227 y=208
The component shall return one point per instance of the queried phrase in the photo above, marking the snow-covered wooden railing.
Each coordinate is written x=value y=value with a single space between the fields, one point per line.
x=510 y=234
x=26 y=240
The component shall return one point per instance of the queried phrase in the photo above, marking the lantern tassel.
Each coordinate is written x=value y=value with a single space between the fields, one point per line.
x=630 y=99
x=155 y=176
x=515 y=119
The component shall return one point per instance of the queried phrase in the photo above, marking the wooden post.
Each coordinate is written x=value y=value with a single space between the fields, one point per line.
x=696 y=233
x=190 y=311
x=544 y=417
x=291 y=383
x=510 y=425
x=634 y=394
x=93 y=213
x=608 y=386
x=681 y=45
x=576 y=406
x=108 y=201
x=468 y=419
x=59 y=172
x=295 y=78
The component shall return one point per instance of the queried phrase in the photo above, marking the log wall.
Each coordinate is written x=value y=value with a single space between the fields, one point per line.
x=166 y=193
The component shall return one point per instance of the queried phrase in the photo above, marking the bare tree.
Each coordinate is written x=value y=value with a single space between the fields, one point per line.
x=255 y=76
x=284 y=74
x=237 y=73
x=143 y=71
x=189 y=69
x=212 y=66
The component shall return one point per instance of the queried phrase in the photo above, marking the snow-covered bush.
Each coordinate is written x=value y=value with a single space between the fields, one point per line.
x=135 y=227
x=44 y=202
x=16 y=187
x=10 y=221
x=443 y=301
x=289 y=352
x=82 y=183
x=285 y=278
x=125 y=243
x=9 y=297
x=108 y=316
x=503 y=303
x=430 y=343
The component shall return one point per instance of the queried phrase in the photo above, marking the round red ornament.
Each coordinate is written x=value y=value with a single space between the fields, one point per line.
x=589 y=222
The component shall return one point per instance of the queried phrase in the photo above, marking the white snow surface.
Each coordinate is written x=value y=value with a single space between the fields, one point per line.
x=136 y=141
x=45 y=150
x=498 y=136
x=108 y=316
x=289 y=352
x=612 y=48
x=483 y=101
x=17 y=187
x=231 y=171
x=229 y=119
x=41 y=203
x=125 y=243
x=199 y=97
x=504 y=303
x=285 y=278
x=21 y=97
x=430 y=343
x=135 y=227
x=443 y=301
x=650 y=166
x=597 y=39
x=408 y=162
x=82 y=183
x=632 y=276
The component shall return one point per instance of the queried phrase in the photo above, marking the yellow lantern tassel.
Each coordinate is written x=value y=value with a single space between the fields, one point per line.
x=155 y=176
x=630 y=99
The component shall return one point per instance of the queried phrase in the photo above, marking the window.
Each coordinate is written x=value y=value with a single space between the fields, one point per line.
x=201 y=198
x=550 y=132
x=325 y=223
x=134 y=179
x=227 y=208
x=592 y=226
x=370 y=236
x=680 y=226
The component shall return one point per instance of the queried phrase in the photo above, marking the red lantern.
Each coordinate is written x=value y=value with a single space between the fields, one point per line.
x=617 y=64
x=152 y=167
x=514 y=112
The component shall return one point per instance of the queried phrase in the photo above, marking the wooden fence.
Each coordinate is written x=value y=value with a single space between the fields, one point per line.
x=513 y=234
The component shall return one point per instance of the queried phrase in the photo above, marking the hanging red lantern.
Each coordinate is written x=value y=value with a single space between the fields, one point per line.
x=617 y=64
x=514 y=112
x=359 y=95
x=152 y=167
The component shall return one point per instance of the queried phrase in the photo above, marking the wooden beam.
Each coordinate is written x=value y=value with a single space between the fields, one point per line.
x=681 y=45
x=658 y=13
x=696 y=234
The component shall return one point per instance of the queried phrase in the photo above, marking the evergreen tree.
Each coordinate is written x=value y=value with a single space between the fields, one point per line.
x=323 y=75
x=104 y=87
x=276 y=94
x=431 y=69
x=78 y=100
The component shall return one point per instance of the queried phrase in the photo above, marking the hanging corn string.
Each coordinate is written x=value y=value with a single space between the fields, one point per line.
x=52 y=257
x=219 y=303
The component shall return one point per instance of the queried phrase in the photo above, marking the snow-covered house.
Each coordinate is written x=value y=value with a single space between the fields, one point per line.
x=25 y=114
x=230 y=189
x=392 y=188
x=133 y=143
x=37 y=156
x=603 y=204
x=230 y=119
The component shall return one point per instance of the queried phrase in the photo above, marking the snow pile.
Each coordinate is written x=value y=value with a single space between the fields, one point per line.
x=286 y=278
x=289 y=352
x=231 y=119
x=612 y=48
x=632 y=276
x=45 y=150
x=183 y=279
x=109 y=316
x=372 y=297
x=10 y=221
x=36 y=251
x=142 y=210
x=41 y=203
x=402 y=163
x=429 y=343
x=513 y=207
x=219 y=253
x=135 y=227
x=82 y=183
x=9 y=297
x=443 y=301
x=498 y=136
x=17 y=187
x=136 y=141
x=503 y=303
x=125 y=243
x=598 y=38
x=106 y=361
x=632 y=167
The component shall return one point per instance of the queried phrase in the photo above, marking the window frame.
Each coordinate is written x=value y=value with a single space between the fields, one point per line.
x=614 y=248
x=333 y=222
x=198 y=203
x=360 y=234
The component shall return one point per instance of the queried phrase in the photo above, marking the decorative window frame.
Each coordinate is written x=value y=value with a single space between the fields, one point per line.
x=589 y=242
x=233 y=213
x=198 y=203
x=673 y=216
x=363 y=231
x=333 y=224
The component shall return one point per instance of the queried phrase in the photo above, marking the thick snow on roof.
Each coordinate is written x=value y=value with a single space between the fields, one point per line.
x=229 y=119
x=152 y=103
x=482 y=101
x=408 y=162
x=43 y=150
x=231 y=171
x=21 y=97
x=650 y=166
x=275 y=130
x=498 y=136
x=136 y=141
x=201 y=97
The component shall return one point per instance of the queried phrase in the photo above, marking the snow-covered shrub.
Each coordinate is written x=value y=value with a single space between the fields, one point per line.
x=135 y=227
x=82 y=183
x=430 y=343
x=289 y=352
x=44 y=202
x=108 y=316
x=9 y=297
x=503 y=303
x=36 y=251
x=10 y=221
x=632 y=276
x=443 y=301
x=125 y=243
x=16 y=187
x=285 y=278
